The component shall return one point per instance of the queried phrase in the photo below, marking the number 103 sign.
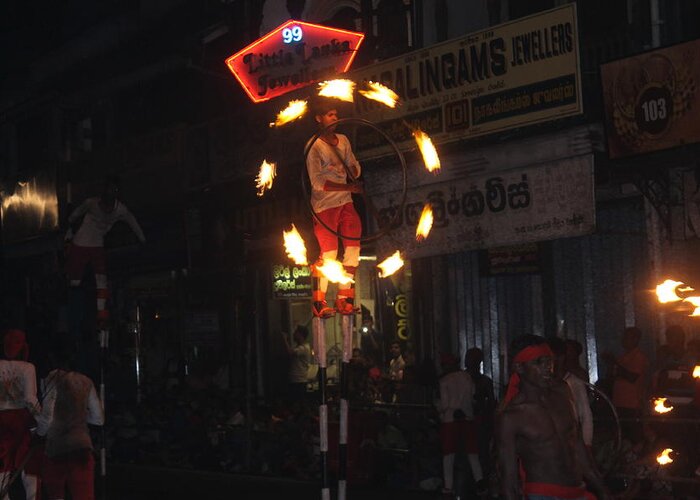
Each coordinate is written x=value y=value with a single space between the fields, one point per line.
x=648 y=100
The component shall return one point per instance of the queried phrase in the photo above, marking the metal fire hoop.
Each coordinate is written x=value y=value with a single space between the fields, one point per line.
x=304 y=180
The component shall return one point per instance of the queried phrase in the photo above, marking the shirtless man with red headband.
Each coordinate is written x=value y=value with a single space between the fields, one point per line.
x=538 y=434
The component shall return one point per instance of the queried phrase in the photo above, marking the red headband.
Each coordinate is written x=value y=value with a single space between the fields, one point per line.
x=15 y=345
x=527 y=354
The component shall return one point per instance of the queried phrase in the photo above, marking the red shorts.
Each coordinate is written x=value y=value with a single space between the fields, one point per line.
x=14 y=437
x=78 y=258
x=459 y=435
x=75 y=470
x=545 y=491
x=344 y=220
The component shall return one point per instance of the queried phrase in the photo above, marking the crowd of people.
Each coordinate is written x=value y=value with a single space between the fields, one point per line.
x=418 y=425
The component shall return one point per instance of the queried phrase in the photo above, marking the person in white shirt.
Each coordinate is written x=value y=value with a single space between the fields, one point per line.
x=578 y=389
x=18 y=404
x=457 y=427
x=70 y=404
x=333 y=172
x=396 y=364
x=299 y=361
x=87 y=245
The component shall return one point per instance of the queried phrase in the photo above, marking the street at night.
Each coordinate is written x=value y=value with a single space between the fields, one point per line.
x=416 y=249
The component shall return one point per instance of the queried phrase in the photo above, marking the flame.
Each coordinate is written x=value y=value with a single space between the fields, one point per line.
x=28 y=197
x=265 y=177
x=666 y=291
x=664 y=457
x=380 y=93
x=294 y=110
x=340 y=89
x=295 y=247
x=334 y=272
x=696 y=371
x=425 y=223
x=695 y=301
x=660 y=406
x=390 y=265
x=430 y=156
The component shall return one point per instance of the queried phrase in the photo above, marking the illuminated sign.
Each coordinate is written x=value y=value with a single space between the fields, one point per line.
x=291 y=281
x=292 y=56
x=651 y=100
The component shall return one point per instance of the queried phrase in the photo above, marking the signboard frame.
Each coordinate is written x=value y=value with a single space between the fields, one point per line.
x=519 y=73
x=267 y=69
x=670 y=83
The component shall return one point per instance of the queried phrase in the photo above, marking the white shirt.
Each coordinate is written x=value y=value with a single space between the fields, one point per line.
x=582 y=406
x=323 y=164
x=70 y=403
x=97 y=222
x=18 y=385
x=299 y=364
x=456 y=393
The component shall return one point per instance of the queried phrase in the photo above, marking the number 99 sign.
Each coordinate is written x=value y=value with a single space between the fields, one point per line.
x=293 y=34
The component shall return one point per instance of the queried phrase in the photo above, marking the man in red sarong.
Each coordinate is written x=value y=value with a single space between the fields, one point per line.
x=18 y=404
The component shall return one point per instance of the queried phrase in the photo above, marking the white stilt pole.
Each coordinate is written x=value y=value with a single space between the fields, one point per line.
x=104 y=345
x=319 y=342
x=347 y=328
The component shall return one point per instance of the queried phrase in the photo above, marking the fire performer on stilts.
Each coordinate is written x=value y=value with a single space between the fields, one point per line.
x=87 y=247
x=333 y=172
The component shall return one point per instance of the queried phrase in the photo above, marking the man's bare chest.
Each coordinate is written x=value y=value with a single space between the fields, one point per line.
x=546 y=420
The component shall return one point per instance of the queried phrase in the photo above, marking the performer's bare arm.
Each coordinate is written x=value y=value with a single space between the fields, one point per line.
x=354 y=187
x=594 y=480
x=354 y=168
x=507 y=456
x=95 y=414
x=134 y=225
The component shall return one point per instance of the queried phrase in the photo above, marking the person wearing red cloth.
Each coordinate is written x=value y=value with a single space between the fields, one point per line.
x=333 y=172
x=18 y=405
x=458 y=430
x=70 y=404
x=537 y=428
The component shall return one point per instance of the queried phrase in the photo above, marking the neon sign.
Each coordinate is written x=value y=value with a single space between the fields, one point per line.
x=292 y=56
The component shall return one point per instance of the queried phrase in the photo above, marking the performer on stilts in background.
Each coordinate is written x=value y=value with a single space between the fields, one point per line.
x=87 y=246
x=18 y=405
x=333 y=172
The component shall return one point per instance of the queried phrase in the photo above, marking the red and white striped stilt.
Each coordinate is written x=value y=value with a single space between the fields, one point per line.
x=347 y=329
x=319 y=342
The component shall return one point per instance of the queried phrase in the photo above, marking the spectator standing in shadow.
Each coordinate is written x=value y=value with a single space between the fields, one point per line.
x=484 y=405
x=574 y=349
x=70 y=404
x=299 y=361
x=457 y=426
x=578 y=389
x=629 y=382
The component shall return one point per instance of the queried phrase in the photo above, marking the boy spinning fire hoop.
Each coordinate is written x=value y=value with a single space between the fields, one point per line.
x=333 y=171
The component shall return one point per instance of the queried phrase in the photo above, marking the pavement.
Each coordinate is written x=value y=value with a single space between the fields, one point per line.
x=137 y=482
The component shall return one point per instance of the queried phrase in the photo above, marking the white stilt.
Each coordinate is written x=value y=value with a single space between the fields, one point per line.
x=319 y=343
x=347 y=328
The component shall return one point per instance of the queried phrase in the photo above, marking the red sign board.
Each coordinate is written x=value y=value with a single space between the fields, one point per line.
x=292 y=56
